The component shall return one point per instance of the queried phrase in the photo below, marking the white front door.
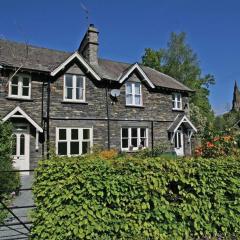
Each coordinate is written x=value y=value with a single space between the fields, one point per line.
x=178 y=142
x=20 y=148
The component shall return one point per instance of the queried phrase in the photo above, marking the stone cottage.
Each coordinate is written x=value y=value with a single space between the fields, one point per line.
x=71 y=101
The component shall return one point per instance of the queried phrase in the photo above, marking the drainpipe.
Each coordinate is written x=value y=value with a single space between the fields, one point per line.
x=108 y=121
x=48 y=113
x=152 y=137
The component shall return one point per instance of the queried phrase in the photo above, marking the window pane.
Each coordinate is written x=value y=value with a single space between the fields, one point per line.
x=74 y=134
x=173 y=97
x=15 y=80
x=143 y=132
x=79 y=93
x=179 y=140
x=86 y=134
x=62 y=148
x=74 y=148
x=134 y=142
x=85 y=147
x=25 y=91
x=14 y=90
x=173 y=104
x=178 y=104
x=137 y=100
x=178 y=97
x=68 y=81
x=22 y=144
x=79 y=82
x=26 y=82
x=124 y=132
x=129 y=87
x=62 y=134
x=143 y=142
x=69 y=93
x=134 y=132
x=137 y=88
x=124 y=143
x=129 y=99
x=14 y=144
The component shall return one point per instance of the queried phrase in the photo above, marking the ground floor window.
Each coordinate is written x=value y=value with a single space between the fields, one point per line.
x=73 y=141
x=133 y=138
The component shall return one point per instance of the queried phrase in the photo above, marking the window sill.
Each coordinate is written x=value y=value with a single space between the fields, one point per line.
x=74 y=102
x=20 y=99
x=134 y=106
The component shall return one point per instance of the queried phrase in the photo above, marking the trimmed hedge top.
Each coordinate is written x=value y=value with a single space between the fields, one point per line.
x=129 y=198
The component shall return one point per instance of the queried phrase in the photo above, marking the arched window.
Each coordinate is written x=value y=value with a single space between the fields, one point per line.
x=22 y=144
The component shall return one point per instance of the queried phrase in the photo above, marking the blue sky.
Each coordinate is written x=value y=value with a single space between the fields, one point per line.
x=128 y=27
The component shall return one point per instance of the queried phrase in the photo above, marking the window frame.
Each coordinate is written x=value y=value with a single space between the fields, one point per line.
x=20 y=86
x=69 y=139
x=133 y=94
x=74 y=87
x=130 y=138
x=175 y=101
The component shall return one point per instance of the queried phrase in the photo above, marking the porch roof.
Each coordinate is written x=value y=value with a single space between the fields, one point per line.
x=17 y=112
x=181 y=119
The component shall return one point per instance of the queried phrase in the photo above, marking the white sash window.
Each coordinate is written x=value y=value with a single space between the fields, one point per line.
x=176 y=101
x=133 y=94
x=20 y=86
x=74 y=88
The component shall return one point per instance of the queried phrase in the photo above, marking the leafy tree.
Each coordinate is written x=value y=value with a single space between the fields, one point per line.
x=179 y=61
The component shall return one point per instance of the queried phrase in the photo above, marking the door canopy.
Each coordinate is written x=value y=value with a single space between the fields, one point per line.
x=182 y=120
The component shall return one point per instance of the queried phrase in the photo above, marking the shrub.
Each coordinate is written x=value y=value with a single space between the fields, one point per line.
x=128 y=198
x=217 y=147
x=9 y=182
x=108 y=154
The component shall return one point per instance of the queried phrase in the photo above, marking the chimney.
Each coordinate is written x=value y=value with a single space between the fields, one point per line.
x=89 y=45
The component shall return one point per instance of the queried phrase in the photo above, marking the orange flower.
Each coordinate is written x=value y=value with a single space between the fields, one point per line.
x=210 y=145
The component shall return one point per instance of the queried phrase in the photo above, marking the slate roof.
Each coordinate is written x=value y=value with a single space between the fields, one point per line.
x=13 y=54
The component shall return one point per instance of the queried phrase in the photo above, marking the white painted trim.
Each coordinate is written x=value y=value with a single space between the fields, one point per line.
x=74 y=76
x=136 y=66
x=68 y=139
x=175 y=100
x=185 y=119
x=133 y=94
x=20 y=86
x=18 y=109
x=130 y=138
x=81 y=60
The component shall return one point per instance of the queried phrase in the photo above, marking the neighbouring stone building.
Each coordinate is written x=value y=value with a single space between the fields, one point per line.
x=72 y=101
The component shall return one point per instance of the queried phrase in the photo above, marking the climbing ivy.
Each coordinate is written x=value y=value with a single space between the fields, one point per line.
x=130 y=198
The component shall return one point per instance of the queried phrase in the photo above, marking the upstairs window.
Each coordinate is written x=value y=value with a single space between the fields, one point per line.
x=20 y=87
x=133 y=94
x=176 y=101
x=134 y=138
x=74 y=88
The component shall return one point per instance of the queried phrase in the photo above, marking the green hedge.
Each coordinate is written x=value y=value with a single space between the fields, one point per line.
x=82 y=198
x=9 y=181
